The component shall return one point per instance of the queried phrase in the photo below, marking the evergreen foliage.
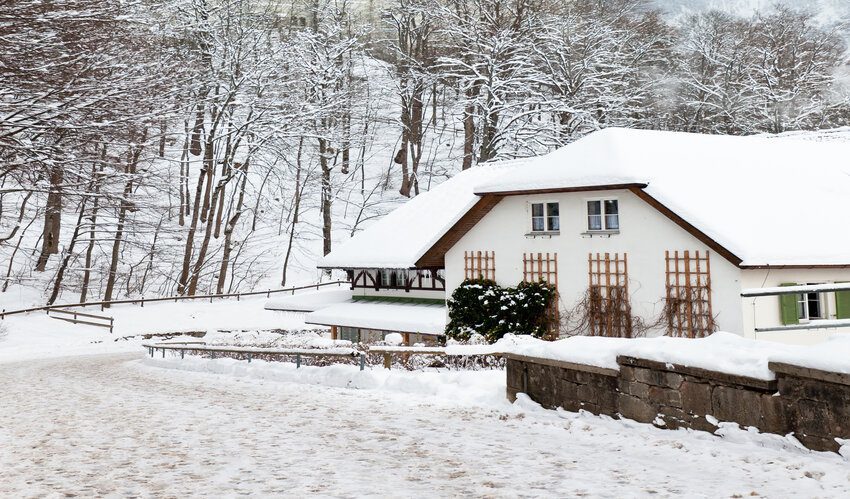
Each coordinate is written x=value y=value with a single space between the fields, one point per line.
x=482 y=306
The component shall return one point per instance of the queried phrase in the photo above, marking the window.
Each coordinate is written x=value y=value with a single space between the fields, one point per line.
x=809 y=306
x=388 y=278
x=545 y=217
x=603 y=215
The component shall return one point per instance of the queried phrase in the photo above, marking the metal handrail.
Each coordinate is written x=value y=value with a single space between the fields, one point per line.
x=249 y=351
x=143 y=300
x=386 y=352
x=109 y=322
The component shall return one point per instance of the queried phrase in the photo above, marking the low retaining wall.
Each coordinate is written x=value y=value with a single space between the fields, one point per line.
x=553 y=383
x=813 y=405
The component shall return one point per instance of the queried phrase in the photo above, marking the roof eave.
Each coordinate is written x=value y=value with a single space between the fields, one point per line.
x=556 y=190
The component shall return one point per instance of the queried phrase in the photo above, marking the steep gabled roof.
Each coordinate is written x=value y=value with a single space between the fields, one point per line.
x=766 y=200
x=402 y=237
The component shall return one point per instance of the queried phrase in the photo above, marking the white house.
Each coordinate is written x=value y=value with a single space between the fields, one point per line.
x=666 y=229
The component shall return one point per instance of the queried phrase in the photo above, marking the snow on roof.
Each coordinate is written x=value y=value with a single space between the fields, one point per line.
x=400 y=238
x=770 y=201
x=308 y=302
x=404 y=317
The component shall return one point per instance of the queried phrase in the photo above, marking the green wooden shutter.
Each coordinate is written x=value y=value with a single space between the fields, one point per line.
x=842 y=304
x=788 y=307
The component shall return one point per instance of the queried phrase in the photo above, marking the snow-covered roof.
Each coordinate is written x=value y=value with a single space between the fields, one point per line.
x=769 y=201
x=404 y=317
x=400 y=238
x=308 y=302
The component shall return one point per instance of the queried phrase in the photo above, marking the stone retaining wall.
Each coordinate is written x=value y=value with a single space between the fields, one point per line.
x=553 y=384
x=813 y=405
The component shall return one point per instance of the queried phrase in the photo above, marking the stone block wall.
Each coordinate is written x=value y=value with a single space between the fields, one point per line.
x=817 y=404
x=813 y=405
x=555 y=384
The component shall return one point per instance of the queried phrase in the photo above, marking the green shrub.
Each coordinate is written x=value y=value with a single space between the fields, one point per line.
x=482 y=306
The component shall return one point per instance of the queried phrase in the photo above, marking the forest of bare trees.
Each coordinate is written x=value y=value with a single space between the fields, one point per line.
x=158 y=147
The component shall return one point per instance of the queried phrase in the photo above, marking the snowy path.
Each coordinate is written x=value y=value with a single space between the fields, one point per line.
x=109 y=425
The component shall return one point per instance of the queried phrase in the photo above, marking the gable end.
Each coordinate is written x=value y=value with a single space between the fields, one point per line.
x=436 y=254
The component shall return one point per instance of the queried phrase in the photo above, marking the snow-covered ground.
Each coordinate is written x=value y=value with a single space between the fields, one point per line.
x=117 y=426
x=37 y=335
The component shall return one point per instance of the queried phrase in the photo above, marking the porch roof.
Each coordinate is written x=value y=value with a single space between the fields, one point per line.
x=403 y=317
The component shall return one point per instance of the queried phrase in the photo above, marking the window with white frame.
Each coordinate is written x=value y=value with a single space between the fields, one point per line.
x=810 y=306
x=603 y=214
x=545 y=217
x=387 y=278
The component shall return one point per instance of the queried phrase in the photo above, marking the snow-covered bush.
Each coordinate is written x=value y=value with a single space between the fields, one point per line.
x=482 y=306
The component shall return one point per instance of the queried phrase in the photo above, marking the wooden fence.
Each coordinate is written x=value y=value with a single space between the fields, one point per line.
x=143 y=300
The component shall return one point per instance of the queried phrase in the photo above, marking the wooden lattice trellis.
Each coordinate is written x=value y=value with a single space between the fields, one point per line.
x=540 y=267
x=544 y=267
x=479 y=265
x=608 y=310
x=688 y=300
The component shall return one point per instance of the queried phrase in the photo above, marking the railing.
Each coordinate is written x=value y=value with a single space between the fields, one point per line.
x=799 y=289
x=107 y=321
x=252 y=352
x=143 y=300
x=370 y=356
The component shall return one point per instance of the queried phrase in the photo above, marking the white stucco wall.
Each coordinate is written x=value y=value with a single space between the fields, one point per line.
x=764 y=311
x=645 y=234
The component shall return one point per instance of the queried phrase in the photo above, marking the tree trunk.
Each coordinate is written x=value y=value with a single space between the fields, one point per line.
x=122 y=216
x=326 y=196
x=84 y=289
x=190 y=236
x=69 y=253
x=52 y=219
x=469 y=130
x=205 y=244
x=295 y=209
x=228 y=231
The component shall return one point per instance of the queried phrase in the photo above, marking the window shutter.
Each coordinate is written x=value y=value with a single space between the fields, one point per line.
x=842 y=304
x=788 y=307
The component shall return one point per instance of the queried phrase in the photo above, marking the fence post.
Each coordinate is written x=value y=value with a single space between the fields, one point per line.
x=388 y=360
x=143 y=302
x=362 y=361
x=182 y=353
x=297 y=361
x=163 y=353
x=249 y=358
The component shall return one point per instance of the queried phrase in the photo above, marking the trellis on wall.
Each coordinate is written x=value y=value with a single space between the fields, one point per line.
x=538 y=267
x=609 y=312
x=688 y=301
x=479 y=265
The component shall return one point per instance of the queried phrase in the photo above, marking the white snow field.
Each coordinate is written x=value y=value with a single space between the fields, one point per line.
x=36 y=335
x=112 y=425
